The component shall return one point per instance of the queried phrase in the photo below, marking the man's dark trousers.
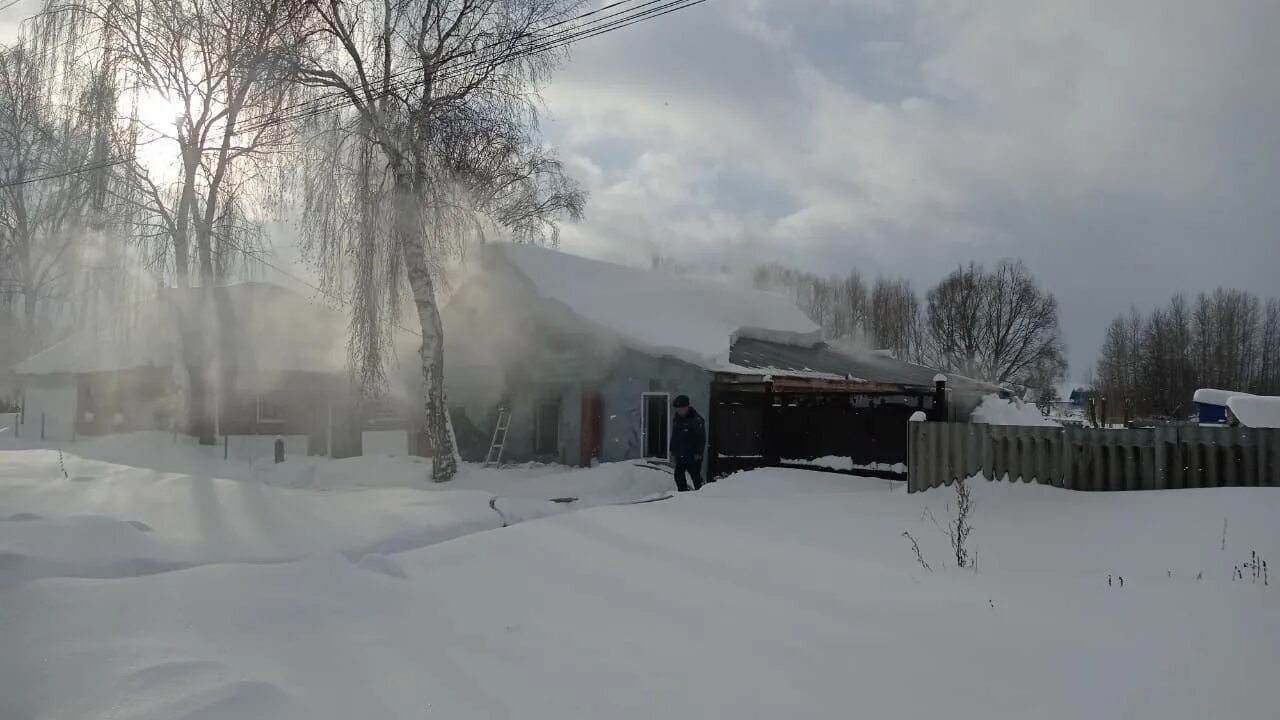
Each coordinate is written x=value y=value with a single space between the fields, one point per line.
x=693 y=468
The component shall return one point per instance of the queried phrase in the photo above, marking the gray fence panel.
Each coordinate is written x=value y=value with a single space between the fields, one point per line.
x=1093 y=459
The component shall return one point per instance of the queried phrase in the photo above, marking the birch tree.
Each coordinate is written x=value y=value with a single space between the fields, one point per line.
x=432 y=137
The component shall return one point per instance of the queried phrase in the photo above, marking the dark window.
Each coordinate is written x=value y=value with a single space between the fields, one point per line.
x=547 y=428
x=271 y=406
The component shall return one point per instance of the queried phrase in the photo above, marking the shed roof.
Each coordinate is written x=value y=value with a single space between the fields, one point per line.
x=824 y=360
x=1258 y=411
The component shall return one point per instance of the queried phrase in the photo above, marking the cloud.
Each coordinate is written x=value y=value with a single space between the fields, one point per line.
x=1125 y=149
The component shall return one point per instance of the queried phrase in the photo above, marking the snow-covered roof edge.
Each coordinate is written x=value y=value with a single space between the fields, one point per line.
x=1213 y=396
x=1256 y=411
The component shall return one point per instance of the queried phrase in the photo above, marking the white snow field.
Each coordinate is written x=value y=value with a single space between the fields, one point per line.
x=774 y=593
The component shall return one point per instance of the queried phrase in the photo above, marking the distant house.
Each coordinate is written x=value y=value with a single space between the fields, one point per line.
x=274 y=365
x=589 y=355
x=1211 y=405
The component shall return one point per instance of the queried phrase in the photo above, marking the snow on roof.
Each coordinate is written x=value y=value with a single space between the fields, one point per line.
x=1211 y=396
x=751 y=355
x=694 y=320
x=1256 y=411
x=273 y=329
x=140 y=341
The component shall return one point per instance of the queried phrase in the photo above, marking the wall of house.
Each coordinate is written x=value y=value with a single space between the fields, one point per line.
x=621 y=382
x=632 y=375
x=53 y=398
x=125 y=401
x=295 y=404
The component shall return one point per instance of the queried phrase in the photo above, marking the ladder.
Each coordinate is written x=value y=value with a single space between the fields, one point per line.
x=494 y=456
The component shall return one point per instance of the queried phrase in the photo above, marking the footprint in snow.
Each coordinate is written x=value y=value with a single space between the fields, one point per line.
x=382 y=565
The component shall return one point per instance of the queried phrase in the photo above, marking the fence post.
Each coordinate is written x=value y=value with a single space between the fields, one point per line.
x=1159 y=460
x=915 y=460
x=941 y=413
x=1263 y=477
x=226 y=443
x=41 y=427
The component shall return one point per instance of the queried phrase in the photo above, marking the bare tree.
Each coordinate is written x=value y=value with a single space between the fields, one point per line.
x=999 y=326
x=1152 y=364
x=435 y=137
x=43 y=203
x=837 y=304
x=1269 y=350
x=215 y=63
x=894 y=317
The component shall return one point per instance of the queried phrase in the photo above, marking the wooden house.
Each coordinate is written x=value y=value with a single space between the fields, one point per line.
x=589 y=355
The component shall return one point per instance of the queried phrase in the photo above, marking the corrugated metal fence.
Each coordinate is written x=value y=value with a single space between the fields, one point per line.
x=1092 y=459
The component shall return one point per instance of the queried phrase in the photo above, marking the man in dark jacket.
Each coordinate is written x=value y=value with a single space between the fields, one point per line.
x=688 y=440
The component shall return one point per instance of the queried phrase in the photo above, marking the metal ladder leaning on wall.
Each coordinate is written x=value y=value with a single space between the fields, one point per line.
x=494 y=457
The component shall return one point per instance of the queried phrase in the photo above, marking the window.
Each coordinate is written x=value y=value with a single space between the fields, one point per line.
x=655 y=424
x=271 y=407
x=547 y=428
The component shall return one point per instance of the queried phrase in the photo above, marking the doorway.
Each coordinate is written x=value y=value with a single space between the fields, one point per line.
x=546 y=428
x=655 y=424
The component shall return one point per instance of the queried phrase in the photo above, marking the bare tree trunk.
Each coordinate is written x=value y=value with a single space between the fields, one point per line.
x=29 y=321
x=411 y=237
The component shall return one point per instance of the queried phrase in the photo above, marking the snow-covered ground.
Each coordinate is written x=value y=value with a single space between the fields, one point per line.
x=775 y=593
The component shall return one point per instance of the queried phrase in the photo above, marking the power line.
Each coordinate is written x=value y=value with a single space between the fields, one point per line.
x=534 y=44
x=79 y=169
x=9 y=4
x=594 y=28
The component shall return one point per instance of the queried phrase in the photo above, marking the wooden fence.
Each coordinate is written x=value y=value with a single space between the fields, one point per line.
x=1186 y=456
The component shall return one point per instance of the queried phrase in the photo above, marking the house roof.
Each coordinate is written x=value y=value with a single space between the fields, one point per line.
x=762 y=356
x=696 y=320
x=275 y=329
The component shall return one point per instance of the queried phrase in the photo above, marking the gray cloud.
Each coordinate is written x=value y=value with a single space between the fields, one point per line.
x=1125 y=149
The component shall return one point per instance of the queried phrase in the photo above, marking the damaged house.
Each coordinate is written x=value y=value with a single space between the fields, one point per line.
x=588 y=356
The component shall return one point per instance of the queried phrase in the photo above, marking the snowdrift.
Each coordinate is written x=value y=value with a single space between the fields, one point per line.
x=774 y=593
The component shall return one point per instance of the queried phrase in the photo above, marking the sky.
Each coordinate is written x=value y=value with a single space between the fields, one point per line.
x=1125 y=149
